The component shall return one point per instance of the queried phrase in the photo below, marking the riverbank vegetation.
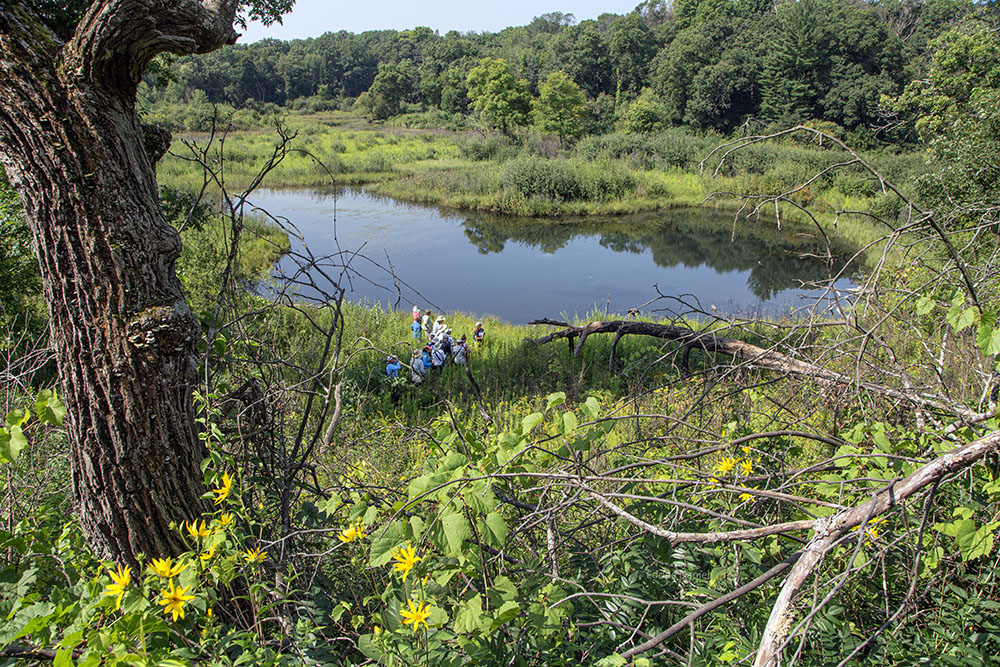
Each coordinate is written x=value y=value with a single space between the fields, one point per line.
x=678 y=486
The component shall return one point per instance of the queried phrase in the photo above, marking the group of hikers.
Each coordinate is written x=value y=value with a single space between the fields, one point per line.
x=439 y=348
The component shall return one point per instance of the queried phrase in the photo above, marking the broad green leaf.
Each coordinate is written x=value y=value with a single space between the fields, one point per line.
x=988 y=340
x=456 y=531
x=12 y=441
x=385 y=542
x=557 y=398
x=17 y=418
x=590 y=407
x=569 y=422
x=880 y=439
x=925 y=304
x=330 y=505
x=961 y=319
x=507 y=612
x=469 y=616
x=530 y=422
x=614 y=660
x=495 y=530
x=64 y=658
x=49 y=408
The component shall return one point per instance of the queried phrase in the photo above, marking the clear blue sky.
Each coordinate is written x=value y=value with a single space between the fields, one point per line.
x=311 y=18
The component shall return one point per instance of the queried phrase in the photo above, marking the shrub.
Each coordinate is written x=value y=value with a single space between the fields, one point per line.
x=566 y=180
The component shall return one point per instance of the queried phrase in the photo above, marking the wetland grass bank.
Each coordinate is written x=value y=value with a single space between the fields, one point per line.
x=605 y=175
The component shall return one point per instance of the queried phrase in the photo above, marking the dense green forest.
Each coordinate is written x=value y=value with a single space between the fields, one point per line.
x=204 y=464
x=702 y=64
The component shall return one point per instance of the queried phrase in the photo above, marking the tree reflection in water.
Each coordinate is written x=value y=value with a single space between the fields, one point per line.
x=777 y=258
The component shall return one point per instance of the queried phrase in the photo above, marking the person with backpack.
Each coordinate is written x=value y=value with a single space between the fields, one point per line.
x=416 y=368
x=438 y=357
x=461 y=351
x=447 y=342
x=478 y=333
x=427 y=358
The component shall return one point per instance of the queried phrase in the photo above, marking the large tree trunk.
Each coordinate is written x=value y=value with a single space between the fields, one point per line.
x=125 y=339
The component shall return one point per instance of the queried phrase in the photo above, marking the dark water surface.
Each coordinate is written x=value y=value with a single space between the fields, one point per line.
x=522 y=269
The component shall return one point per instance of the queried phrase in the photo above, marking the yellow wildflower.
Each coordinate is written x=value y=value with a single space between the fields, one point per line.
x=745 y=450
x=173 y=601
x=872 y=529
x=254 y=556
x=353 y=532
x=724 y=466
x=207 y=556
x=121 y=580
x=747 y=497
x=198 y=531
x=746 y=466
x=226 y=520
x=162 y=568
x=406 y=558
x=416 y=614
x=222 y=492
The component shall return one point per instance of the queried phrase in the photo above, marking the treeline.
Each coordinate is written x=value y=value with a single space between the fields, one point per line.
x=705 y=64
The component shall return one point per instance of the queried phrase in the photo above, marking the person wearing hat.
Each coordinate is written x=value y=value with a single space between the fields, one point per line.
x=439 y=326
x=438 y=357
x=461 y=351
x=477 y=333
x=425 y=323
x=416 y=329
x=392 y=366
x=417 y=367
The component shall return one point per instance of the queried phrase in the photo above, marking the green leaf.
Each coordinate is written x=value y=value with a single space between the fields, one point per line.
x=988 y=340
x=961 y=319
x=456 y=531
x=569 y=422
x=590 y=407
x=330 y=505
x=12 y=441
x=385 y=543
x=17 y=418
x=530 y=422
x=507 y=612
x=495 y=530
x=614 y=660
x=49 y=408
x=925 y=304
x=469 y=616
x=557 y=398
x=64 y=658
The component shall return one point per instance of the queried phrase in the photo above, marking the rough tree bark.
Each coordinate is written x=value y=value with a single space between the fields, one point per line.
x=73 y=147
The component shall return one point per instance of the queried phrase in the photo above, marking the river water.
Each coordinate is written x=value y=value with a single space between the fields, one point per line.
x=398 y=254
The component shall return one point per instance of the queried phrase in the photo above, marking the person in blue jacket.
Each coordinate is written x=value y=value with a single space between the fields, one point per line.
x=426 y=357
x=392 y=367
x=417 y=329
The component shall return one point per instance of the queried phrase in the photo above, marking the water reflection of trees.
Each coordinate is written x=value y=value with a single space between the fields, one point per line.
x=777 y=259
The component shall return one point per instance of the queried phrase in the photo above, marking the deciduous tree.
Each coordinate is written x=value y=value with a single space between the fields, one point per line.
x=560 y=107
x=74 y=149
x=501 y=99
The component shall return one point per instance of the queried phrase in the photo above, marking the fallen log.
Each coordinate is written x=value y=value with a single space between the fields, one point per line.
x=751 y=356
